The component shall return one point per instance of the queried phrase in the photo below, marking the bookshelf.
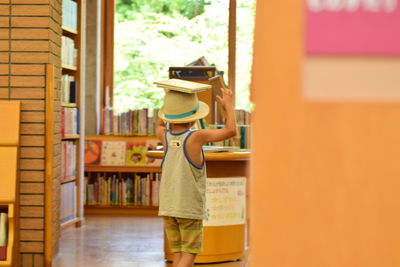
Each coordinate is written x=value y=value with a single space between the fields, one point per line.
x=9 y=153
x=72 y=113
x=142 y=178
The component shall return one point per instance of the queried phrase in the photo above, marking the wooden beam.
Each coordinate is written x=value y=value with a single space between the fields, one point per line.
x=49 y=164
x=232 y=46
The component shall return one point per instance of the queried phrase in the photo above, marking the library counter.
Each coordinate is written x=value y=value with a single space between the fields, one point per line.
x=224 y=232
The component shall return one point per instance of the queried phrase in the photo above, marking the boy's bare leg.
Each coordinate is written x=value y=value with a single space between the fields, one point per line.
x=177 y=258
x=187 y=259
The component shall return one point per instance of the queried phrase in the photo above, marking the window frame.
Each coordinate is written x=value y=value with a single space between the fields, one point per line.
x=107 y=53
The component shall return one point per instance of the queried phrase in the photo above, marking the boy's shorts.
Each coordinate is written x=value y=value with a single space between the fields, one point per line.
x=184 y=235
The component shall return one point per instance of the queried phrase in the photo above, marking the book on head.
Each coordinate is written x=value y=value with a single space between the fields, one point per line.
x=183 y=85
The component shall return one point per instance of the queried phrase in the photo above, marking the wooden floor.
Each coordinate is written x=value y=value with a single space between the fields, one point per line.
x=117 y=241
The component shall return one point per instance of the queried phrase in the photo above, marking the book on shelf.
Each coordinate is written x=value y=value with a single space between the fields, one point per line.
x=70 y=14
x=68 y=160
x=3 y=236
x=244 y=134
x=113 y=153
x=134 y=189
x=69 y=121
x=68 y=202
x=240 y=141
x=136 y=153
x=69 y=89
x=242 y=117
x=120 y=152
x=92 y=151
x=217 y=82
x=69 y=54
x=133 y=122
x=155 y=189
x=183 y=85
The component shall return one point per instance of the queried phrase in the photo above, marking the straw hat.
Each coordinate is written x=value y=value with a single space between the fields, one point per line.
x=182 y=107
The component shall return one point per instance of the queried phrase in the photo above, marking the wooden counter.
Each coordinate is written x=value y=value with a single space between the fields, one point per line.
x=226 y=242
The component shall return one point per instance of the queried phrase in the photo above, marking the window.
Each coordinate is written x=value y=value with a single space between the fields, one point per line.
x=152 y=35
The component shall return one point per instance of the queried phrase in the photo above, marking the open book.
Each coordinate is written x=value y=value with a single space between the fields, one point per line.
x=183 y=86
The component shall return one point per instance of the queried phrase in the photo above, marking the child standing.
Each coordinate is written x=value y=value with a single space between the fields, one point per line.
x=182 y=189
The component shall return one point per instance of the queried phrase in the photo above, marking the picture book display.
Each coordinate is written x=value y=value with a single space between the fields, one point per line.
x=136 y=153
x=92 y=151
x=120 y=152
x=113 y=153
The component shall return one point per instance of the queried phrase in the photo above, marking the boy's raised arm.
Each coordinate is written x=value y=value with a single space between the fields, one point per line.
x=229 y=131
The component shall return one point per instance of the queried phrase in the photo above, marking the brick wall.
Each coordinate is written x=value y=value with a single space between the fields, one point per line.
x=29 y=39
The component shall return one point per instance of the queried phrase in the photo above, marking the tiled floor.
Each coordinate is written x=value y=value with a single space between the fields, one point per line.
x=116 y=241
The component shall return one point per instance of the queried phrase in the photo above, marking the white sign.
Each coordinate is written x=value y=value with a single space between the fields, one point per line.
x=225 y=201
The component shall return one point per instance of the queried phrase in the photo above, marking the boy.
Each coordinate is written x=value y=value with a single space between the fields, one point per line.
x=182 y=189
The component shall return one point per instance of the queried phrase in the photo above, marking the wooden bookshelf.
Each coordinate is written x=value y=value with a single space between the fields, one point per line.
x=129 y=210
x=77 y=71
x=121 y=168
x=68 y=180
x=92 y=170
x=9 y=166
x=71 y=136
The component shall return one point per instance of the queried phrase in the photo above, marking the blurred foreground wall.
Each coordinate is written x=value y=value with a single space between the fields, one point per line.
x=325 y=169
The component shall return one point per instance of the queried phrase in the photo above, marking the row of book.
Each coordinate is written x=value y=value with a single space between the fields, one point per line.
x=68 y=89
x=68 y=160
x=68 y=202
x=143 y=122
x=134 y=122
x=140 y=189
x=70 y=14
x=242 y=140
x=242 y=117
x=69 y=121
x=3 y=236
x=120 y=152
x=69 y=53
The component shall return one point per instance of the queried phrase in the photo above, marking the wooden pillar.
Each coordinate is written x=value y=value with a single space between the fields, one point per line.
x=29 y=39
x=232 y=46
x=325 y=174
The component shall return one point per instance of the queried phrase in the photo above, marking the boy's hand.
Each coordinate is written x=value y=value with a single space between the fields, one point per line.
x=227 y=98
x=206 y=136
x=161 y=122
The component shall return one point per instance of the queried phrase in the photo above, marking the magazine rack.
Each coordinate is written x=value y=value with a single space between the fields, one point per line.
x=9 y=149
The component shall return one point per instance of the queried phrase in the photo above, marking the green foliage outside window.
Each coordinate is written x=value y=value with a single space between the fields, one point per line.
x=152 y=35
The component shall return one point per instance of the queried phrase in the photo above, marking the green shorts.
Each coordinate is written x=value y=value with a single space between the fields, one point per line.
x=184 y=235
